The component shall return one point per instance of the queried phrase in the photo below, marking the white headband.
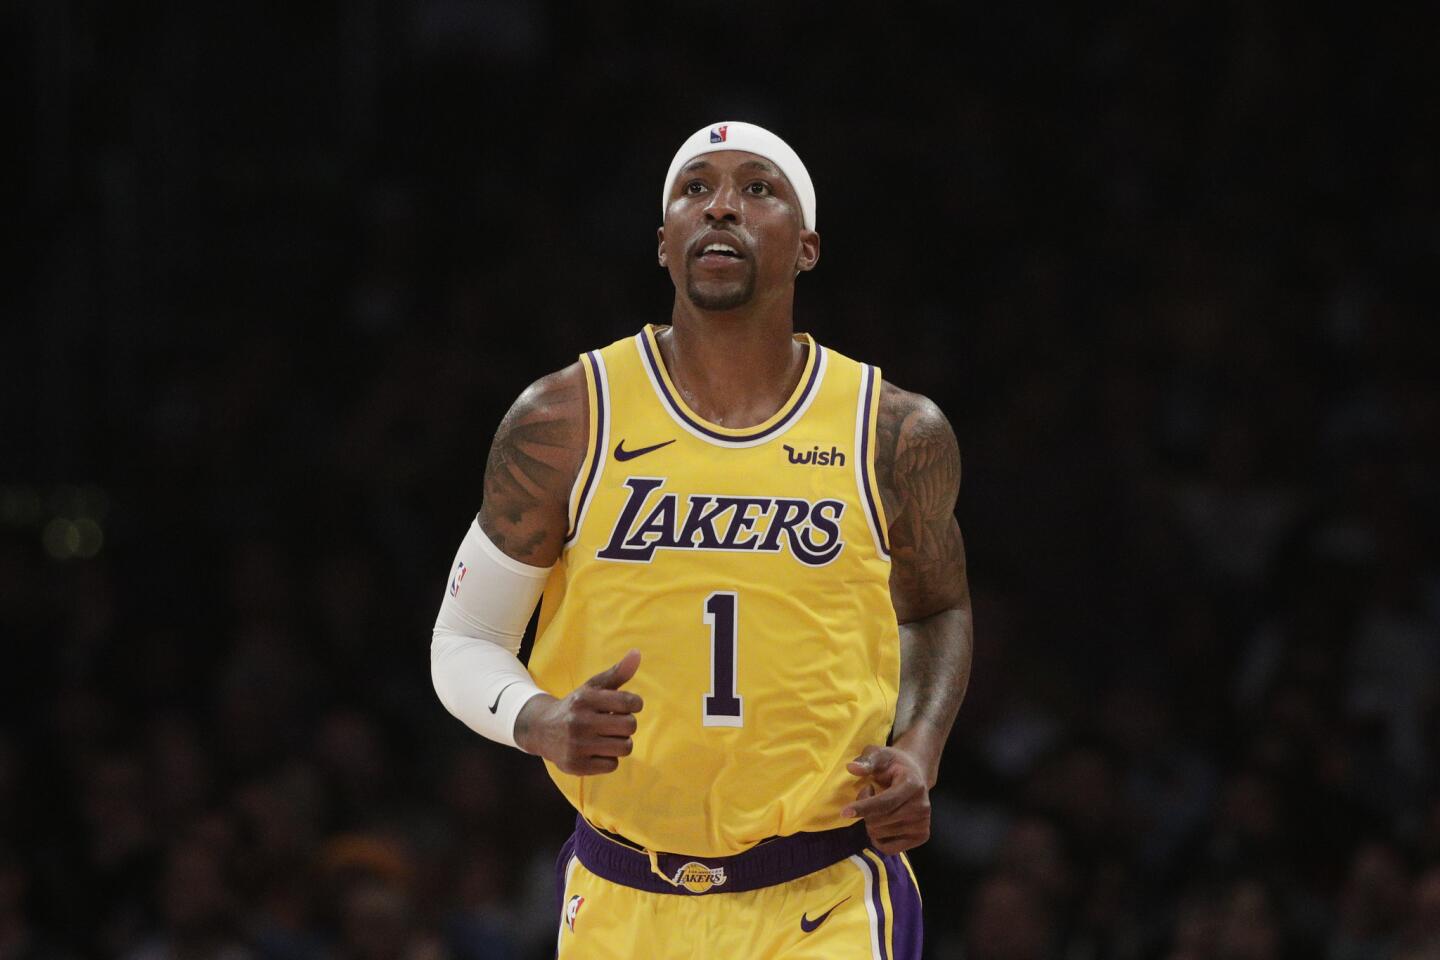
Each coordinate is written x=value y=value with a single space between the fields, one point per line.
x=734 y=135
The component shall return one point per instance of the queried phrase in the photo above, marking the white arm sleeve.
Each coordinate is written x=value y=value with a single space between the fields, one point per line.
x=482 y=619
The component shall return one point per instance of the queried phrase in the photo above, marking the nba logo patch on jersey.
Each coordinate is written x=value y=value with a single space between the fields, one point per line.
x=572 y=910
x=455 y=580
x=717 y=134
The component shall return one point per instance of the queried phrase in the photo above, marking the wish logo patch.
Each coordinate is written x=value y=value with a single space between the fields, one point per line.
x=834 y=457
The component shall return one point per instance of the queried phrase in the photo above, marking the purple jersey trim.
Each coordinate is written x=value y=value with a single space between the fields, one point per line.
x=599 y=453
x=778 y=860
x=679 y=410
x=869 y=474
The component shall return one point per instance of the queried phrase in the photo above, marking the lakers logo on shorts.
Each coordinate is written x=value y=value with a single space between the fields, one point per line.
x=698 y=878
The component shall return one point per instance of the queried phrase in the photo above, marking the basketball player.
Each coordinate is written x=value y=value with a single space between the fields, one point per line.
x=753 y=582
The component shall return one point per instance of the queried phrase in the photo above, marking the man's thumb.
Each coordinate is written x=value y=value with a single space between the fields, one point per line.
x=872 y=760
x=618 y=675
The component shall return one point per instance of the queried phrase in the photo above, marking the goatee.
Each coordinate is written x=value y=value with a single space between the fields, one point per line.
x=727 y=298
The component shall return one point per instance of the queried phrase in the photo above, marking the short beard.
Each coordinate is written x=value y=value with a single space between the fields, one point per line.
x=729 y=299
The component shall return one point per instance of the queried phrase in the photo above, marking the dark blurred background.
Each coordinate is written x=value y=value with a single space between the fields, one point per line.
x=274 y=271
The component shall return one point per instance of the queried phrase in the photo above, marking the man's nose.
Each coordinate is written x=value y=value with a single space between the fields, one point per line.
x=724 y=204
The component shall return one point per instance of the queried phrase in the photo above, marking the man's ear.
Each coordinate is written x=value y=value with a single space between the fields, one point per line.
x=660 y=252
x=809 y=251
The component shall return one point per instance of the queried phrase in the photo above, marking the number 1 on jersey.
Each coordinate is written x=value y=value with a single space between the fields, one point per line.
x=722 y=706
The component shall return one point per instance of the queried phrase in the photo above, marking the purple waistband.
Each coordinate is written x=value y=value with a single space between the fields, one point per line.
x=778 y=860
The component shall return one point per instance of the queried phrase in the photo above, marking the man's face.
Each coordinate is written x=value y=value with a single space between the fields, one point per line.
x=733 y=227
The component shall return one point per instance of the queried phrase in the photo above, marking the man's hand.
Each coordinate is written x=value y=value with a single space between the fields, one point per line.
x=897 y=815
x=587 y=731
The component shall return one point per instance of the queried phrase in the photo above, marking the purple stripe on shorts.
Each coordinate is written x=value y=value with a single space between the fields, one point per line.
x=906 y=919
x=562 y=863
x=878 y=903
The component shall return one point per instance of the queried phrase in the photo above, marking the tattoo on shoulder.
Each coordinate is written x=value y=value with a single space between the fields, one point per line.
x=533 y=460
x=918 y=467
x=917 y=459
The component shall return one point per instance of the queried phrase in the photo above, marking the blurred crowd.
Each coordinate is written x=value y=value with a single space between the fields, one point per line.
x=1168 y=271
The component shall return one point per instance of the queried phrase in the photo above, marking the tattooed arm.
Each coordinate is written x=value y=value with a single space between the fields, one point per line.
x=918 y=467
x=534 y=458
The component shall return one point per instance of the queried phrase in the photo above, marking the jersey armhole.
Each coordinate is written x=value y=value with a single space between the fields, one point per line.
x=597 y=439
x=867 y=414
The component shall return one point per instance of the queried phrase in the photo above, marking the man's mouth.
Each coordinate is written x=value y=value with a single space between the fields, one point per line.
x=717 y=253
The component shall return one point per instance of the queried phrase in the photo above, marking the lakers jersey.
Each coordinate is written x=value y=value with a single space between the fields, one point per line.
x=751 y=569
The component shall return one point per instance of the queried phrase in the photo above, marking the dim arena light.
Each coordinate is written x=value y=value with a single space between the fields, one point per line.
x=77 y=512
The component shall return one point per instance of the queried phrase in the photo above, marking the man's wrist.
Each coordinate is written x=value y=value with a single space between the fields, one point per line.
x=528 y=722
x=923 y=742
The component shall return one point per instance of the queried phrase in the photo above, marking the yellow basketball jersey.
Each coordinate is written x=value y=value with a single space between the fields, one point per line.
x=751 y=569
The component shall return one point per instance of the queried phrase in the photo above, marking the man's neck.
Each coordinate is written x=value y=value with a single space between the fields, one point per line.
x=734 y=368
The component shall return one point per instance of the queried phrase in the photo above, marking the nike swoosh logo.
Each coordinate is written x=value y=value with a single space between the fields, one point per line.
x=808 y=925
x=622 y=454
x=507 y=686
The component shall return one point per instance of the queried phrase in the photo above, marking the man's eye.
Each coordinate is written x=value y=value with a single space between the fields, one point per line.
x=694 y=187
x=759 y=188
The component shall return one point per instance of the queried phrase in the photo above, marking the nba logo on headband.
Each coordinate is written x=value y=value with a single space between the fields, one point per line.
x=747 y=138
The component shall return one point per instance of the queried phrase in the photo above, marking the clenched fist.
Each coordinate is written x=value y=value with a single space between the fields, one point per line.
x=894 y=802
x=589 y=730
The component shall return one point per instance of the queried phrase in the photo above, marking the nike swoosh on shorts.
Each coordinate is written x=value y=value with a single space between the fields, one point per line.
x=809 y=925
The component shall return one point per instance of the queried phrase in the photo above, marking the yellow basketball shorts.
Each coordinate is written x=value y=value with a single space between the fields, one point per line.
x=791 y=898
